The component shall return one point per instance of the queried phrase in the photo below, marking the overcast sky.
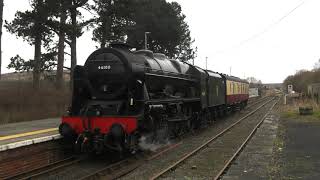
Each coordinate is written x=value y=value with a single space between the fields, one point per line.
x=267 y=39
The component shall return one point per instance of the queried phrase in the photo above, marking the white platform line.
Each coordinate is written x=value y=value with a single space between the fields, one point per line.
x=29 y=142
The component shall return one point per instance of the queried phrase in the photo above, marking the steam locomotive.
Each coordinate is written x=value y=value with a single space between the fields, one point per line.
x=120 y=95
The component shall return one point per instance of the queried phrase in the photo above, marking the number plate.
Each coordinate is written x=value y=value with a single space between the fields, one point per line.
x=104 y=67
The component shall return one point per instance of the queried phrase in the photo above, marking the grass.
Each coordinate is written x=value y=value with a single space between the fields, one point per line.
x=290 y=114
x=291 y=110
x=20 y=102
x=316 y=114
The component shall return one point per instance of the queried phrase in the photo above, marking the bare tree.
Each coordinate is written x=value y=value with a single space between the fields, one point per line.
x=316 y=66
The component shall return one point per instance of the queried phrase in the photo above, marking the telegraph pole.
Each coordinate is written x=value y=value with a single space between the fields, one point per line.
x=206 y=63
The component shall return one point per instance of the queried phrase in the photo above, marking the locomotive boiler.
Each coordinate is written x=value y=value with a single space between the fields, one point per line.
x=120 y=95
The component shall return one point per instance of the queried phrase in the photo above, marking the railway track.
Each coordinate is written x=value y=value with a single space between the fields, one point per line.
x=113 y=170
x=124 y=167
x=121 y=168
x=204 y=145
x=45 y=169
x=245 y=142
x=252 y=103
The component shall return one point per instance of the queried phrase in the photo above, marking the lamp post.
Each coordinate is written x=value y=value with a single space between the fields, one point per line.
x=146 y=40
x=206 y=63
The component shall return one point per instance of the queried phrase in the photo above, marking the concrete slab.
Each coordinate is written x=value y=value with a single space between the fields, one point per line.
x=21 y=127
x=16 y=135
x=300 y=157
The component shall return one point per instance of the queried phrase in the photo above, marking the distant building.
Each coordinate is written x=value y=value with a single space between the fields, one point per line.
x=253 y=92
x=314 y=90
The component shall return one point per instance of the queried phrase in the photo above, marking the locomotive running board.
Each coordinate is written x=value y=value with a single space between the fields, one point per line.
x=173 y=100
x=177 y=120
x=171 y=77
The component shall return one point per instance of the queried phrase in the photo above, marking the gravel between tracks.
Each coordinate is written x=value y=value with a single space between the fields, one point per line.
x=192 y=167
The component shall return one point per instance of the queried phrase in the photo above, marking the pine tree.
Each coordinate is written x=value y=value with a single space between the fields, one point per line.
x=30 y=25
x=114 y=18
x=128 y=20
x=170 y=33
x=76 y=29
x=68 y=30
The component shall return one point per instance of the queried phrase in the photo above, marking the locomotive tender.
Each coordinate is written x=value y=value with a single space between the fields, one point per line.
x=120 y=95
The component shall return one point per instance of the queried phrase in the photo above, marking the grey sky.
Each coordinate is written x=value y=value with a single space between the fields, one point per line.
x=255 y=38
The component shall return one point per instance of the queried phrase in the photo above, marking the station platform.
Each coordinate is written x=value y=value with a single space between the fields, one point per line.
x=16 y=135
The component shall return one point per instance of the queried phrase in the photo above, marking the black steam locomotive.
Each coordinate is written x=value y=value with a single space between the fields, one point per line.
x=120 y=95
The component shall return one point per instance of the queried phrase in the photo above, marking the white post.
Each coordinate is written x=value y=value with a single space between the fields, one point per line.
x=285 y=99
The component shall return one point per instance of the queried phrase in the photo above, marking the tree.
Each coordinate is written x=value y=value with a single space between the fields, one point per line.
x=30 y=25
x=128 y=20
x=114 y=17
x=18 y=64
x=185 y=49
x=1 y=21
x=301 y=79
x=253 y=80
x=170 y=33
x=68 y=30
x=47 y=62
x=316 y=66
x=63 y=18
x=76 y=29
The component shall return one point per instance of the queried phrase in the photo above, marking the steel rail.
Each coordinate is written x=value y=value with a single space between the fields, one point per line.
x=112 y=168
x=115 y=170
x=175 y=164
x=44 y=169
x=227 y=165
x=257 y=101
